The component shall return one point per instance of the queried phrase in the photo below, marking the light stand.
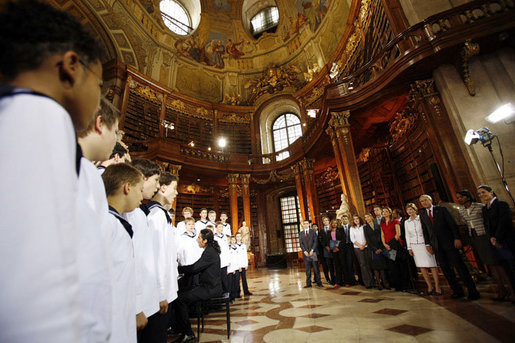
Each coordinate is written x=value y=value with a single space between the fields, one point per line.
x=488 y=145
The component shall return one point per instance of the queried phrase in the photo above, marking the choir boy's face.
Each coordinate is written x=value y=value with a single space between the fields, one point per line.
x=135 y=195
x=212 y=216
x=233 y=240
x=171 y=192
x=203 y=214
x=223 y=217
x=219 y=229
x=238 y=238
x=187 y=214
x=150 y=186
x=190 y=225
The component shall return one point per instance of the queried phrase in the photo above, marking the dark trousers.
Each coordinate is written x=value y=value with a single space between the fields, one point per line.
x=308 y=264
x=155 y=331
x=449 y=258
x=243 y=277
x=346 y=256
x=325 y=266
x=330 y=266
x=364 y=264
x=235 y=284
x=181 y=307
x=225 y=280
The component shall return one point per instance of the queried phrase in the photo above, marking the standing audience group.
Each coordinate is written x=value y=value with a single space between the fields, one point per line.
x=380 y=250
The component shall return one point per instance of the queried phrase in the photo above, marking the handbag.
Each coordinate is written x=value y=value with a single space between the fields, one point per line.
x=392 y=254
x=333 y=244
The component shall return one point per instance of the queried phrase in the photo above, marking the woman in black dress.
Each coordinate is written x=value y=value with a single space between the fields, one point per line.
x=378 y=261
x=210 y=285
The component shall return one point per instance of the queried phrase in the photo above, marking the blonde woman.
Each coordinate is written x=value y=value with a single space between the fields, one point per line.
x=418 y=248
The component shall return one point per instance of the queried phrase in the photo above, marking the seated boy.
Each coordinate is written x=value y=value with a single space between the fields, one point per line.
x=51 y=77
x=124 y=188
x=96 y=143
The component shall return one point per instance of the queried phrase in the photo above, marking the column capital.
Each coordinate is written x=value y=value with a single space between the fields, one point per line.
x=339 y=119
x=296 y=168
x=232 y=179
x=245 y=179
x=422 y=89
x=307 y=164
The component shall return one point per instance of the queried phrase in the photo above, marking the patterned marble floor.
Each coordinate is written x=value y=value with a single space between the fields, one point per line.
x=281 y=310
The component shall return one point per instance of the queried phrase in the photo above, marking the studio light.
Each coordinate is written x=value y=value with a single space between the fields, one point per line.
x=483 y=135
x=504 y=112
x=167 y=125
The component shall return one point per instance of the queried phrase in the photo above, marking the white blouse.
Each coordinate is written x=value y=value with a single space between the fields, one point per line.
x=414 y=233
x=357 y=234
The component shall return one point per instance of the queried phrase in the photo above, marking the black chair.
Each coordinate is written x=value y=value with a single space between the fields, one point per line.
x=204 y=306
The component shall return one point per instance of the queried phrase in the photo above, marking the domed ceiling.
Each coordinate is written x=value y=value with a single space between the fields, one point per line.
x=220 y=61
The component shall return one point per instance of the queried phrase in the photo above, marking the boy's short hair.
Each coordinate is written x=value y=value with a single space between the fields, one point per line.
x=187 y=209
x=32 y=31
x=116 y=175
x=203 y=209
x=118 y=150
x=171 y=211
x=219 y=223
x=147 y=167
x=212 y=211
x=223 y=212
x=188 y=220
x=167 y=178
x=110 y=114
x=210 y=227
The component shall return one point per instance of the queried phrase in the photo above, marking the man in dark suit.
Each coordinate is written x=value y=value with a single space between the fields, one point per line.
x=347 y=256
x=441 y=232
x=308 y=243
x=323 y=243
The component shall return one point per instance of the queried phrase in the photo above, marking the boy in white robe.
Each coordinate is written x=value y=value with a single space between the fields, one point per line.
x=52 y=77
x=227 y=226
x=124 y=188
x=221 y=238
x=147 y=291
x=187 y=212
x=203 y=221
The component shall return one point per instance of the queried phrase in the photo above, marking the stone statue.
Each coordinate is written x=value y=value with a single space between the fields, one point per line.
x=245 y=234
x=344 y=208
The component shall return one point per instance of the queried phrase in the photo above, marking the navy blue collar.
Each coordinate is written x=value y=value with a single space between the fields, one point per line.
x=151 y=204
x=126 y=225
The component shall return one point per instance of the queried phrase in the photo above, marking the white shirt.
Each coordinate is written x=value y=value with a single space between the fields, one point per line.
x=224 y=249
x=227 y=229
x=39 y=292
x=165 y=252
x=188 y=250
x=233 y=259
x=147 y=291
x=124 y=292
x=357 y=234
x=200 y=225
x=93 y=256
x=243 y=261
x=181 y=227
x=414 y=233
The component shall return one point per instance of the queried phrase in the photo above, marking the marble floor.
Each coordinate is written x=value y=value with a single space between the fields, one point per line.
x=281 y=310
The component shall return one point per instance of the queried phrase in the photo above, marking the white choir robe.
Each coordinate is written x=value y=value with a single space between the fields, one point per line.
x=188 y=250
x=39 y=291
x=95 y=279
x=213 y=224
x=124 y=292
x=233 y=259
x=227 y=230
x=243 y=260
x=181 y=227
x=147 y=291
x=165 y=252
x=224 y=249
x=200 y=225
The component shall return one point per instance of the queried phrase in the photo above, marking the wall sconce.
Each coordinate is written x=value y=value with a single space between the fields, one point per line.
x=167 y=125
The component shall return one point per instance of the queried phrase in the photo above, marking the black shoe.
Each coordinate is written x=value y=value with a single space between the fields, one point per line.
x=320 y=284
x=457 y=295
x=248 y=293
x=307 y=286
x=474 y=296
x=188 y=339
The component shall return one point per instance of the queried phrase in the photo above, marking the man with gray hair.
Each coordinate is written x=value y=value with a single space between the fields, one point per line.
x=441 y=232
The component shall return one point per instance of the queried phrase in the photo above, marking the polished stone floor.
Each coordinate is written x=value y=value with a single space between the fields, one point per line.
x=281 y=310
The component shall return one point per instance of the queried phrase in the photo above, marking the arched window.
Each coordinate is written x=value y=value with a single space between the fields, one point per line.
x=285 y=130
x=265 y=21
x=175 y=17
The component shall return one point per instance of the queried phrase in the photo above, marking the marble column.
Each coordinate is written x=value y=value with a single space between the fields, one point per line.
x=232 y=179
x=245 y=192
x=339 y=122
x=297 y=172
x=174 y=170
x=311 y=192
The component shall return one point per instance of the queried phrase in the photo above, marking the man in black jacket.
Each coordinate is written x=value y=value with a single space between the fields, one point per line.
x=323 y=244
x=308 y=243
x=441 y=232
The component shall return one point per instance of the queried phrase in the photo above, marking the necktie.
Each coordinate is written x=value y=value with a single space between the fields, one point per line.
x=307 y=238
x=430 y=215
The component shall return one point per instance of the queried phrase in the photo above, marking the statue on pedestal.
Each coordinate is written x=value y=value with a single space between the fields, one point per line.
x=245 y=234
x=344 y=208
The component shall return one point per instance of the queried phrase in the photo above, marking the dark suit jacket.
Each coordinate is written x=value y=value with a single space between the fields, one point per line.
x=340 y=236
x=323 y=238
x=442 y=232
x=312 y=240
x=209 y=268
x=498 y=223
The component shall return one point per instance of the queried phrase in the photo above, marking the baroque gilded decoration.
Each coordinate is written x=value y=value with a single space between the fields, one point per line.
x=469 y=49
x=274 y=177
x=242 y=118
x=329 y=175
x=273 y=80
x=144 y=91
